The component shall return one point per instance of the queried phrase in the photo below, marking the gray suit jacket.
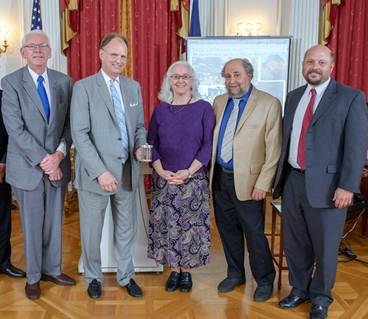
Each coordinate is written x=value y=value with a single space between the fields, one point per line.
x=3 y=136
x=96 y=134
x=30 y=136
x=336 y=142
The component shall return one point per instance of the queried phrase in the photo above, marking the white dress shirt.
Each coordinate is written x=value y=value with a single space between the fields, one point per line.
x=299 y=116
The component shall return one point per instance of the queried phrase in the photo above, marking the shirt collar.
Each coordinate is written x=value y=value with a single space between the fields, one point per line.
x=35 y=76
x=320 y=89
x=107 y=78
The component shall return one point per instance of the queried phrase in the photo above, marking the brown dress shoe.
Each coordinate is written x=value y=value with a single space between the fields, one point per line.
x=62 y=279
x=33 y=291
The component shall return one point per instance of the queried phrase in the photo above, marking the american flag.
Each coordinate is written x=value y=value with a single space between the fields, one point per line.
x=36 y=15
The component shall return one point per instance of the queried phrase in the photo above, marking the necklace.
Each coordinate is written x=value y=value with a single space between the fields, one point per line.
x=177 y=109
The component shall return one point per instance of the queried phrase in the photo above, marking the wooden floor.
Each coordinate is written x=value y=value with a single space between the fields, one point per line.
x=350 y=292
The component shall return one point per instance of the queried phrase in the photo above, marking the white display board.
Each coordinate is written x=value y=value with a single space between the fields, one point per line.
x=268 y=55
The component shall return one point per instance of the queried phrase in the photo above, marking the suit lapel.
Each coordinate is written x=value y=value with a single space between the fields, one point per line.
x=290 y=109
x=31 y=90
x=53 y=92
x=222 y=102
x=326 y=101
x=105 y=94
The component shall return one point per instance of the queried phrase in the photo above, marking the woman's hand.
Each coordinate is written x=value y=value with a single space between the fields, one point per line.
x=166 y=175
x=181 y=176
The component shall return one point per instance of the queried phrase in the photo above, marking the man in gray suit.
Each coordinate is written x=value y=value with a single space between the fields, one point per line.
x=325 y=135
x=36 y=116
x=107 y=130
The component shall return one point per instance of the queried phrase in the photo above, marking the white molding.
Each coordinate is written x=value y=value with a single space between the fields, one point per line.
x=51 y=25
x=300 y=19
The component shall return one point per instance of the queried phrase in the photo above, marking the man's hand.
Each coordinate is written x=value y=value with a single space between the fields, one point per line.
x=258 y=194
x=139 y=154
x=108 y=182
x=342 y=198
x=2 y=172
x=51 y=162
x=57 y=175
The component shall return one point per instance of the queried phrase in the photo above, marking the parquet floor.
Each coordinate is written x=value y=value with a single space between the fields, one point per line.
x=350 y=292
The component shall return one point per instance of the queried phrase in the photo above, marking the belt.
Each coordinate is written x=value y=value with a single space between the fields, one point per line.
x=298 y=170
x=224 y=170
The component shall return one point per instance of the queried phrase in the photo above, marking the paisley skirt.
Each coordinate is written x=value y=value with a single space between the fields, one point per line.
x=179 y=225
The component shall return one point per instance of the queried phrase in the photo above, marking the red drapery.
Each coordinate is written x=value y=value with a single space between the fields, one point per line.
x=349 y=41
x=91 y=22
x=155 y=46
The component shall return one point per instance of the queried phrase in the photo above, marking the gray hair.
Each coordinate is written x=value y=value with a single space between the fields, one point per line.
x=248 y=67
x=166 y=94
x=34 y=32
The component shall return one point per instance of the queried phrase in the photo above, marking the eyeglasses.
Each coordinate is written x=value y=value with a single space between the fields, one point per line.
x=115 y=56
x=177 y=77
x=33 y=46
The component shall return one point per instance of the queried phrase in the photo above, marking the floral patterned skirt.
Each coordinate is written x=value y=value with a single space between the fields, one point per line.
x=179 y=226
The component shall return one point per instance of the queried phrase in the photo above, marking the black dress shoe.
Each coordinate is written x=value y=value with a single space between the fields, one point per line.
x=12 y=271
x=292 y=301
x=94 y=289
x=263 y=292
x=185 y=282
x=172 y=282
x=229 y=284
x=319 y=312
x=133 y=289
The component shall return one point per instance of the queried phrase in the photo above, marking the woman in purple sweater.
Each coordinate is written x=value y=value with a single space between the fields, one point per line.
x=180 y=131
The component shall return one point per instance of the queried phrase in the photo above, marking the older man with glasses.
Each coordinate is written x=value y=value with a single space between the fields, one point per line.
x=108 y=130
x=35 y=111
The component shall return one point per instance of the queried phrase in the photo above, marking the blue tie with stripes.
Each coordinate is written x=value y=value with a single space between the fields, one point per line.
x=43 y=95
x=120 y=116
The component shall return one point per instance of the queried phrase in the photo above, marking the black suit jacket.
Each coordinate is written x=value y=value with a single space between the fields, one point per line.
x=3 y=135
x=336 y=143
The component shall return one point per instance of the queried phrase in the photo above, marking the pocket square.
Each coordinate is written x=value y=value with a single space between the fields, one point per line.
x=133 y=104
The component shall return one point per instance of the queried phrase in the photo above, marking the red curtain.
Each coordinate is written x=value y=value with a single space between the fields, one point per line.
x=155 y=46
x=349 y=41
x=91 y=22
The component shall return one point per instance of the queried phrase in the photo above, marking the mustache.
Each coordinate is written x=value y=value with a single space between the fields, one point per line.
x=315 y=71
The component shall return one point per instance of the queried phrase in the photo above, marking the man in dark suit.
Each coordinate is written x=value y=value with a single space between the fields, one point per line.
x=35 y=110
x=5 y=203
x=325 y=135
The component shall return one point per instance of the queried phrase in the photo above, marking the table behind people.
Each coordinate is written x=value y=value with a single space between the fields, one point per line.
x=141 y=262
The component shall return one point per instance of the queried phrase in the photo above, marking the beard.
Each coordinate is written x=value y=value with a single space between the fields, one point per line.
x=315 y=80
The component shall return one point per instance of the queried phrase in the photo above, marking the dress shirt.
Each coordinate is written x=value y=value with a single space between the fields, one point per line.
x=298 y=118
x=62 y=145
x=229 y=107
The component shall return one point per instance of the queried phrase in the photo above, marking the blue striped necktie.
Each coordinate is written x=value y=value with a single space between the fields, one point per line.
x=43 y=95
x=120 y=116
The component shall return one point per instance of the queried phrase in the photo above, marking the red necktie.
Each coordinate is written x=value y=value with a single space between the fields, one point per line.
x=306 y=120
